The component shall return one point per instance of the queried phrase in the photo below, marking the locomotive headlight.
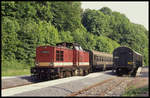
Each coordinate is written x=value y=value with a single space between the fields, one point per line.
x=130 y=63
x=36 y=63
x=116 y=57
x=51 y=63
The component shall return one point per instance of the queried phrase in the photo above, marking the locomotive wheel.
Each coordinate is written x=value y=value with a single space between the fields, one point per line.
x=68 y=73
x=61 y=75
x=34 y=77
x=85 y=72
x=118 y=71
x=133 y=74
x=81 y=72
x=48 y=77
x=77 y=72
x=73 y=73
x=64 y=74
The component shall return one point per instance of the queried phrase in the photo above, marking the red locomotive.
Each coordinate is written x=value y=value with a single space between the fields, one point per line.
x=62 y=60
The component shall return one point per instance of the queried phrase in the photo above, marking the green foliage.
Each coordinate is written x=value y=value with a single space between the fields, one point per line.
x=94 y=21
x=8 y=8
x=133 y=91
x=90 y=41
x=43 y=10
x=9 y=37
x=106 y=11
x=66 y=36
x=66 y=15
x=14 y=67
x=105 y=44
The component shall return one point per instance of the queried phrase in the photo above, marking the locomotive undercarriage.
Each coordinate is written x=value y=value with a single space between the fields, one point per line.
x=44 y=73
x=126 y=71
x=97 y=68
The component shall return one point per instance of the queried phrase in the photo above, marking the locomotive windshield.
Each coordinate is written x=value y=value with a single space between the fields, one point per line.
x=78 y=48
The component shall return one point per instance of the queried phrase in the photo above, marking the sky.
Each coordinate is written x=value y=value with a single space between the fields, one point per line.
x=137 y=12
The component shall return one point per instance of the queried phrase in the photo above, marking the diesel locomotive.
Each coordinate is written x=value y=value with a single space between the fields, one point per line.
x=126 y=61
x=68 y=59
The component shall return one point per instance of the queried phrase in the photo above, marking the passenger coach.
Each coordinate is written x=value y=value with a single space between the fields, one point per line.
x=100 y=61
x=126 y=61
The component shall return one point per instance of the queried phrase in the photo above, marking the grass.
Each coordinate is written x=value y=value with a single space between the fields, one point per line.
x=14 y=68
x=133 y=91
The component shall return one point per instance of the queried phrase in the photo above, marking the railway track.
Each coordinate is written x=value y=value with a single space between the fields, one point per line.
x=88 y=88
x=108 y=87
x=102 y=88
x=103 y=93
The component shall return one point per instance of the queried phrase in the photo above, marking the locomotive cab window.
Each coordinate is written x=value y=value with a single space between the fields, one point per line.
x=59 y=55
x=44 y=51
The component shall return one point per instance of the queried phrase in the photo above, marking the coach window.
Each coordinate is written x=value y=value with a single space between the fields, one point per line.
x=98 y=58
x=94 y=57
x=59 y=55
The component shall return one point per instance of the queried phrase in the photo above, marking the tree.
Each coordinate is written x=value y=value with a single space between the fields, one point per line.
x=43 y=10
x=10 y=27
x=106 y=11
x=66 y=15
x=105 y=44
x=65 y=36
x=8 y=8
x=95 y=22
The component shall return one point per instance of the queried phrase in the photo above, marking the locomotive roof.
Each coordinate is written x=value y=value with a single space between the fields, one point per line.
x=67 y=44
x=129 y=49
x=137 y=53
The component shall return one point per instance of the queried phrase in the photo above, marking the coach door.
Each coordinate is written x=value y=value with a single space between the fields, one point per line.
x=124 y=58
x=76 y=57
